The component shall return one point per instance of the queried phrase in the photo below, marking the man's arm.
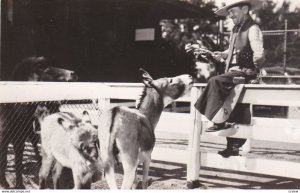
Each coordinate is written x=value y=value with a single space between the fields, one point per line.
x=222 y=55
x=256 y=42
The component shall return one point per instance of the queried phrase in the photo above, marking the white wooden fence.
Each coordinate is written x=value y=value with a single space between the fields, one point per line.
x=270 y=129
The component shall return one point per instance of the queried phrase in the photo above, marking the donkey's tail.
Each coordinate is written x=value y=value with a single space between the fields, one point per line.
x=107 y=137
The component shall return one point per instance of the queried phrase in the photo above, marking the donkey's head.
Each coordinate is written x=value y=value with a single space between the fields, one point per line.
x=169 y=89
x=37 y=69
x=82 y=133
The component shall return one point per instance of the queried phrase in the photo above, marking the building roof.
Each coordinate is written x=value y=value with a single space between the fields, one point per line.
x=155 y=9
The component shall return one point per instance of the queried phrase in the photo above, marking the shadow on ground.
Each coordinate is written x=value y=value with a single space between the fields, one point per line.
x=171 y=175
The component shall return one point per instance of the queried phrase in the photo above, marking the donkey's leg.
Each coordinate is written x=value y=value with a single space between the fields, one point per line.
x=46 y=166
x=19 y=149
x=56 y=174
x=135 y=182
x=3 y=157
x=146 y=165
x=81 y=176
x=110 y=176
x=129 y=154
x=77 y=177
x=34 y=139
x=129 y=174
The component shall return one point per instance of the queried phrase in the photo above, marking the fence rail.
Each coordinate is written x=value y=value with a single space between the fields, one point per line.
x=192 y=123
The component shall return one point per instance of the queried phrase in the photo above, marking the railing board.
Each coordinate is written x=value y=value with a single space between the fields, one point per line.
x=129 y=93
x=259 y=86
x=278 y=122
x=252 y=165
x=282 y=130
x=134 y=93
x=266 y=133
x=271 y=96
x=174 y=122
x=13 y=92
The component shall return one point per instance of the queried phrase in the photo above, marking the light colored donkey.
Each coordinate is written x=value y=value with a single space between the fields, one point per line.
x=128 y=134
x=68 y=141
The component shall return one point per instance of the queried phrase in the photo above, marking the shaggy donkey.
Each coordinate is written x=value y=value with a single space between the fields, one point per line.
x=68 y=141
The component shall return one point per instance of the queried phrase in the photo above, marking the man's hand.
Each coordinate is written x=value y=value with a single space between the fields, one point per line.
x=234 y=68
x=219 y=56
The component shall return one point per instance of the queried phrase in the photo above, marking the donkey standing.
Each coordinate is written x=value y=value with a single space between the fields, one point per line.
x=16 y=121
x=128 y=134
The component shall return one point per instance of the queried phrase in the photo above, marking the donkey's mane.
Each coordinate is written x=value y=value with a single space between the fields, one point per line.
x=142 y=97
x=23 y=69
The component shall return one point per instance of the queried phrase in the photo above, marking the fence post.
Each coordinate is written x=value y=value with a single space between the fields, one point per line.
x=103 y=104
x=193 y=163
x=103 y=101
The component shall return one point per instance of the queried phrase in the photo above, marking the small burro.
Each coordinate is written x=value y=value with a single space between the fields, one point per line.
x=127 y=135
x=69 y=141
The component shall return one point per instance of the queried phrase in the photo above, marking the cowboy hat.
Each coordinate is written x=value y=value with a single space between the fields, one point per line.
x=254 y=4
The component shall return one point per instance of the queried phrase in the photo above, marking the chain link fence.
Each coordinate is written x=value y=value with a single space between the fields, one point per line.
x=20 y=123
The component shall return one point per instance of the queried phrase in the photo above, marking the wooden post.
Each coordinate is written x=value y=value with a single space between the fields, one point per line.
x=284 y=45
x=0 y=39
x=103 y=104
x=193 y=163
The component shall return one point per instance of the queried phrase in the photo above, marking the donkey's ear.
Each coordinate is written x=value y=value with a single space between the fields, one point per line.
x=67 y=125
x=86 y=117
x=41 y=112
x=147 y=79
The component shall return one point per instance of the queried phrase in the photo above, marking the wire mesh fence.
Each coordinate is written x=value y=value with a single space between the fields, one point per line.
x=20 y=126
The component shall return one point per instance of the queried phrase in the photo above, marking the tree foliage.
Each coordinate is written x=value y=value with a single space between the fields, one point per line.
x=274 y=19
x=179 y=32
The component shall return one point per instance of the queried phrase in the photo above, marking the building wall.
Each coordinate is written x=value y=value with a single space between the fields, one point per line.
x=95 y=39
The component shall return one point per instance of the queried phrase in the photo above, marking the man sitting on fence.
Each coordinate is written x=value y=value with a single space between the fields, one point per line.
x=244 y=56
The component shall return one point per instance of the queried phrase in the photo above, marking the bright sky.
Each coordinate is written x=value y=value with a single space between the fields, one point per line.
x=294 y=3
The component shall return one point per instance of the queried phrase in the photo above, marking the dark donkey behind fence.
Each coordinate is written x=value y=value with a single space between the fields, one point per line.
x=16 y=120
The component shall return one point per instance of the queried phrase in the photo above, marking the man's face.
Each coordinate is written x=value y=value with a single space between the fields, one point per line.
x=237 y=14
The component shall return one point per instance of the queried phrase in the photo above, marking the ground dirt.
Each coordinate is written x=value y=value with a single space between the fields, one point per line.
x=172 y=175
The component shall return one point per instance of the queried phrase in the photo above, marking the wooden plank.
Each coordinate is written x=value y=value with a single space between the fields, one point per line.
x=193 y=164
x=1 y=39
x=272 y=86
x=278 y=122
x=170 y=155
x=290 y=133
x=130 y=93
x=174 y=122
x=119 y=84
x=252 y=165
x=259 y=86
x=133 y=91
x=271 y=96
x=12 y=92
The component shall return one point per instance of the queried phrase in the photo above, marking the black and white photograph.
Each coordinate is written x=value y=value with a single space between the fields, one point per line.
x=150 y=94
